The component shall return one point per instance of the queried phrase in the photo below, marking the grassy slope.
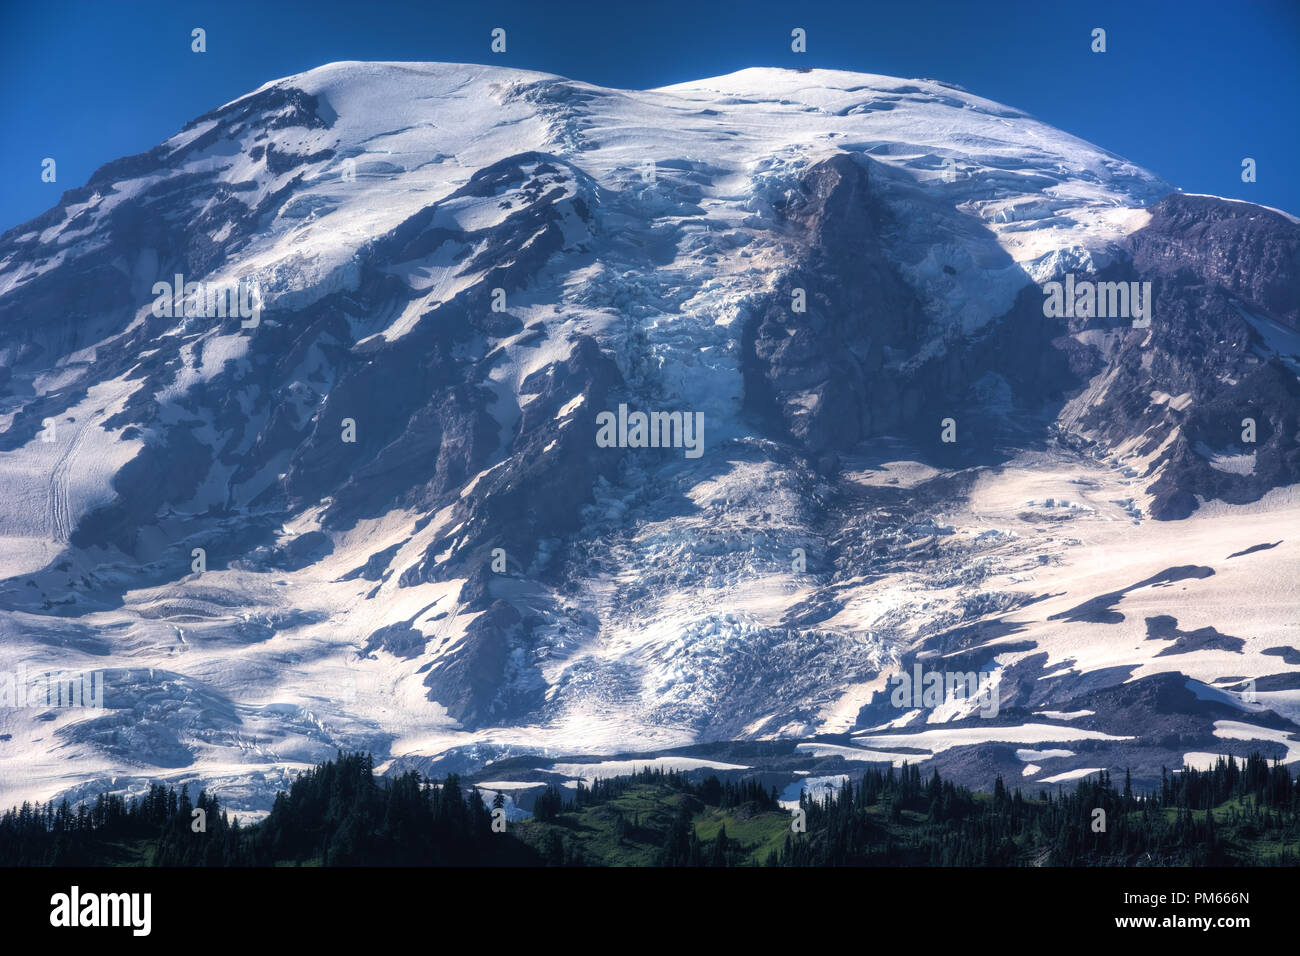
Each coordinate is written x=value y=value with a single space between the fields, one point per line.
x=649 y=811
x=654 y=807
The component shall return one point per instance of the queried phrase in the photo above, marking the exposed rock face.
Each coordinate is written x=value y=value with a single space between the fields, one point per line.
x=836 y=373
x=1252 y=253
x=1207 y=364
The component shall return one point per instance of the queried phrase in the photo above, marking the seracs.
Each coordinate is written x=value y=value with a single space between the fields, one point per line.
x=208 y=300
x=653 y=430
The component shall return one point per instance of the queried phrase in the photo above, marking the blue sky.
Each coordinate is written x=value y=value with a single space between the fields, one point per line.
x=1186 y=89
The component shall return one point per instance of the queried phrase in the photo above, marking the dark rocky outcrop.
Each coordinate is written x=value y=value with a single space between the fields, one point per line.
x=833 y=375
x=1203 y=367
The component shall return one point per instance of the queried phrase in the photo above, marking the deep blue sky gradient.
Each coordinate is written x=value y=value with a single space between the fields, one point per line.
x=1186 y=89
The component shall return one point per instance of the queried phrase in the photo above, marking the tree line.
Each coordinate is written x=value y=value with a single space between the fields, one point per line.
x=340 y=814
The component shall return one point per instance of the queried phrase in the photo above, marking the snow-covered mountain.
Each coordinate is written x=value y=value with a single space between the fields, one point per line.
x=414 y=539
